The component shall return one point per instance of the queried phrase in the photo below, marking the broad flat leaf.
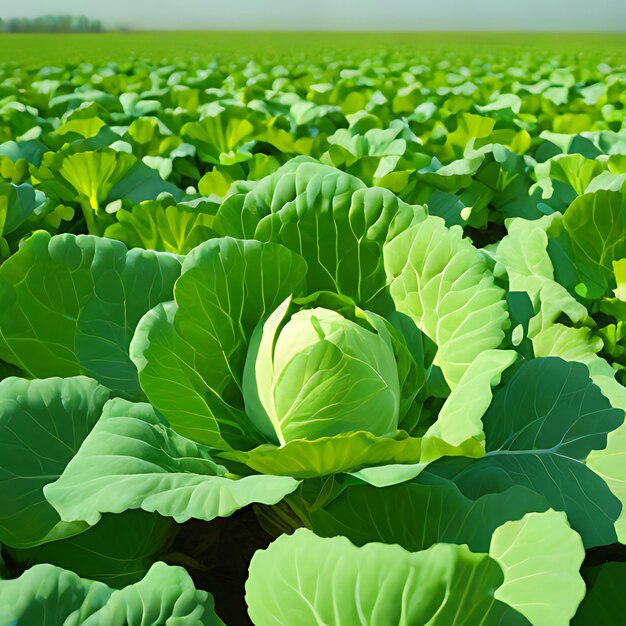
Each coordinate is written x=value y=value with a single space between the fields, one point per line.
x=605 y=602
x=141 y=183
x=303 y=458
x=524 y=255
x=388 y=475
x=574 y=170
x=118 y=550
x=42 y=425
x=86 y=127
x=443 y=283
x=304 y=579
x=305 y=203
x=595 y=225
x=222 y=135
x=422 y=512
x=540 y=429
x=577 y=344
x=133 y=460
x=458 y=430
x=191 y=354
x=93 y=174
x=69 y=305
x=23 y=209
x=369 y=156
x=155 y=225
x=540 y=556
x=49 y=596
x=17 y=203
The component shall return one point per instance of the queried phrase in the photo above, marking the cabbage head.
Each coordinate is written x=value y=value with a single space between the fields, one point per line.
x=316 y=373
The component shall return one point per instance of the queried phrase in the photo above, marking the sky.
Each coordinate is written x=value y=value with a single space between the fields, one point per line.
x=368 y=15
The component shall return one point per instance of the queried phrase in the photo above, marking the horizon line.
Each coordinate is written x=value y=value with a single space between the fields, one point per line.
x=128 y=30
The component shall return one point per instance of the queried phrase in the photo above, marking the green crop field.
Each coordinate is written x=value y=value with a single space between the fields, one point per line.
x=312 y=328
x=40 y=49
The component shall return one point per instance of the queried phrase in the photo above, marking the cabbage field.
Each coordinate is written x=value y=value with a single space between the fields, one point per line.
x=307 y=334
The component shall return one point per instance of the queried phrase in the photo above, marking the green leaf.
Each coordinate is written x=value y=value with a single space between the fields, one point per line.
x=118 y=550
x=540 y=556
x=222 y=135
x=605 y=602
x=93 y=174
x=23 y=209
x=577 y=344
x=42 y=425
x=215 y=183
x=540 y=429
x=304 y=579
x=156 y=225
x=524 y=255
x=619 y=268
x=458 y=430
x=574 y=170
x=191 y=354
x=595 y=225
x=133 y=460
x=305 y=203
x=17 y=204
x=388 y=475
x=49 y=596
x=140 y=183
x=303 y=458
x=69 y=305
x=422 y=512
x=443 y=283
x=370 y=156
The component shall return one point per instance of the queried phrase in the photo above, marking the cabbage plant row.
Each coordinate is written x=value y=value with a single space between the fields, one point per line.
x=320 y=340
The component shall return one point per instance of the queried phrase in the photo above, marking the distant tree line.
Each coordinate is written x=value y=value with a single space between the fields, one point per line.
x=51 y=24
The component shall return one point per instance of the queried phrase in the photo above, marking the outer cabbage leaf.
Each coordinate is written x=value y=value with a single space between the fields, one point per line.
x=94 y=177
x=21 y=210
x=619 y=268
x=158 y=225
x=524 y=255
x=93 y=174
x=458 y=430
x=540 y=428
x=304 y=579
x=69 y=305
x=328 y=217
x=42 y=425
x=133 y=460
x=303 y=458
x=370 y=156
x=605 y=602
x=223 y=135
x=191 y=354
x=443 y=283
x=595 y=229
x=47 y=595
x=572 y=174
x=540 y=556
x=421 y=512
x=141 y=183
x=577 y=344
x=118 y=550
